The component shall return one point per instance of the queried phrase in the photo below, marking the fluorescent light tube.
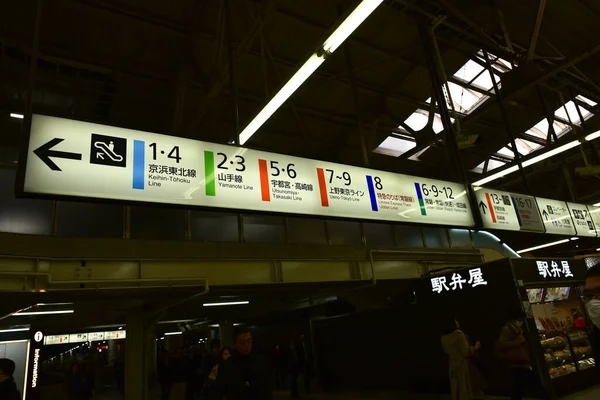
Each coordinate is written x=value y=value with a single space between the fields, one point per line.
x=360 y=13
x=542 y=246
x=18 y=116
x=14 y=330
x=357 y=17
x=53 y=304
x=592 y=136
x=44 y=312
x=284 y=93
x=228 y=303
x=495 y=176
x=173 y=333
x=551 y=153
x=527 y=163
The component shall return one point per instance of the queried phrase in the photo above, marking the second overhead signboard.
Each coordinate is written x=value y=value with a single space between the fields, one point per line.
x=517 y=212
x=73 y=158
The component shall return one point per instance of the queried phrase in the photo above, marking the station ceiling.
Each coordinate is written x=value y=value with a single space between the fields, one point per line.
x=203 y=69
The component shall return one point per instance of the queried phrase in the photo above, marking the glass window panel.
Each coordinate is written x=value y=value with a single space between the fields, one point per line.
x=569 y=113
x=493 y=164
x=417 y=120
x=460 y=238
x=26 y=216
x=435 y=237
x=344 y=233
x=526 y=147
x=395 y=147
x=306 y=230
x=90 y=220
x=505 y=151
x=464 y=99
x=408 y=236
x=264 y=228
x=209 y=226
x=469 y=71
x=157 y=223
x=378 y=234
x=484 y=81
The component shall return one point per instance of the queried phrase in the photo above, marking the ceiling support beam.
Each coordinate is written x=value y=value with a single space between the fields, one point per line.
x=500 y=102
x=536 y=30
x=217 y=87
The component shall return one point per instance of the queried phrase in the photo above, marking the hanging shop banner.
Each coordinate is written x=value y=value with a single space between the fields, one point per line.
x=556 y=216
x=582 y=218
x=73 y=158
x=508 y=211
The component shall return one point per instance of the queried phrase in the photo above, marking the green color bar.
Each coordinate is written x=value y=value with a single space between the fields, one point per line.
x=423 y=209
x=209 y=172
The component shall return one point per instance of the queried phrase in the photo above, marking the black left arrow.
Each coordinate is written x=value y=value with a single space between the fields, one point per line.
x=45 y=151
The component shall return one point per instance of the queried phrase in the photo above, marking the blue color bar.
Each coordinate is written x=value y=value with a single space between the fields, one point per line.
x=372 y=193
x=139 y=164
x=517 y=211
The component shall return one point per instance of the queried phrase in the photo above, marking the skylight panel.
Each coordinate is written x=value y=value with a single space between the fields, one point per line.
x=464 y=99
x=526 y=147
x=505 y=151
x=492 y=164
x=469 y=71
x=417 y=120
x=394 y=146
x=569 y=112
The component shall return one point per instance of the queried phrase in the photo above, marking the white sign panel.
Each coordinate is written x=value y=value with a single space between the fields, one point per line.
x=56 y=339
x=458 y=281
x=527 y=212
x=78 y=337
x=595 y=215
x=73 y=158
x=114 y=335
x=582 y=219
x=95 y=336
x=556 y=216
x=497 y=210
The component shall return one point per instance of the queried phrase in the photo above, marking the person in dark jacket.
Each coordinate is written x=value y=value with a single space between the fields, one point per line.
x=8 y=387
x=513 y=348
x=245 y=375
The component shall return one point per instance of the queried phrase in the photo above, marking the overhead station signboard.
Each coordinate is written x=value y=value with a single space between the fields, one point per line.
x=508 y=211
x=78 y=337
x=556 y=216
x=73 y=158
x=115 y=335
x=582 y=218
x=56 y=339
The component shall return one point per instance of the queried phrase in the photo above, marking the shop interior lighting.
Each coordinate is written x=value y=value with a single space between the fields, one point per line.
x=349 y=25
x=26 y=313
x=543 y=246
x=18 y=116
x=173 y=333
x=227 y=303
x=14 y=330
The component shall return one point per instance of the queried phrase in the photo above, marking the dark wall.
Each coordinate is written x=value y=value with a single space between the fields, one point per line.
x=399 y=348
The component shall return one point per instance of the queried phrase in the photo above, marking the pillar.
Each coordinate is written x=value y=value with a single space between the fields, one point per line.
x=226 y=333
x=135 y=365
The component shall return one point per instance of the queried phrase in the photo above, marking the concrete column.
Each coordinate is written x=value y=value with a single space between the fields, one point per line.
x=226 y=333
x=135 y=366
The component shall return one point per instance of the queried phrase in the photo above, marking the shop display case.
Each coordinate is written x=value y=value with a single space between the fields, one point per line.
x=567 y=349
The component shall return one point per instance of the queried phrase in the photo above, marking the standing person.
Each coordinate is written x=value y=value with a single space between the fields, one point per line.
x=210 y=360
x=209 y=386
x=245 y=375
x=512 y=347
x=463 y=384
x=8 y=387
x=593 y=309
